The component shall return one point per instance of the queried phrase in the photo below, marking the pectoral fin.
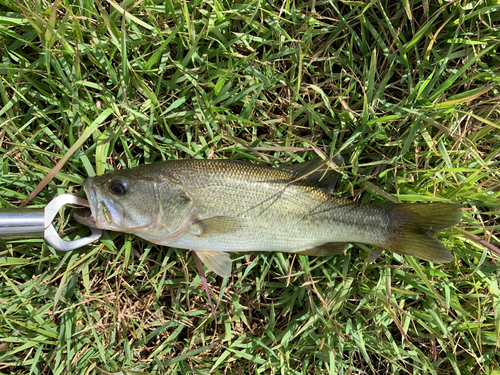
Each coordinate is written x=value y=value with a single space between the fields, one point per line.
x=217 y=225
x=327 y=249
x=217 y=261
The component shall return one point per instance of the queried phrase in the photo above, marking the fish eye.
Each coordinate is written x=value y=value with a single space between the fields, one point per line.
x=119 y=186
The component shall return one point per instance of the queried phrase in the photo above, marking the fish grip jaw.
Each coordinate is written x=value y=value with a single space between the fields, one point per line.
x=50 y=233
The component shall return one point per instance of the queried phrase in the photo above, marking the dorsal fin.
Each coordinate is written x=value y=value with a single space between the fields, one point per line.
x=317 y=172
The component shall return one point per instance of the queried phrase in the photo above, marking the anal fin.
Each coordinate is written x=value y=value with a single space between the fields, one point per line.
x=327 y=249
x=217 y=261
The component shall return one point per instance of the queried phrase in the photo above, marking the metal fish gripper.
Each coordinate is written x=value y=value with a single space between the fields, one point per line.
x=29 y=222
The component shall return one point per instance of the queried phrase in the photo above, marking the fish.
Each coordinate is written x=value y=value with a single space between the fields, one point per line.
x=217 y=206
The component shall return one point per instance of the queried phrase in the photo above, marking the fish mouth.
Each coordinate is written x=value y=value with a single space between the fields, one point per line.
x=84 y=216
x=102 y=213
x=87 y=215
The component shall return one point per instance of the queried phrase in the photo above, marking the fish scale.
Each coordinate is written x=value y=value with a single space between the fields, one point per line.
x=279 y=215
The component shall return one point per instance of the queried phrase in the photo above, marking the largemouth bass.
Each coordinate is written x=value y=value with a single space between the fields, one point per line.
x=218 y=206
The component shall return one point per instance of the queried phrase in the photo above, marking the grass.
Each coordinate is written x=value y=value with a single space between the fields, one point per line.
x=407 y=92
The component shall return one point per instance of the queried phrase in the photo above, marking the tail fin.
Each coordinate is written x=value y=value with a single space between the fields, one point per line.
x=417 y=223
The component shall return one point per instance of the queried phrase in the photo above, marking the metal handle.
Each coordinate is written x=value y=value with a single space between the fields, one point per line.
x=21 y=222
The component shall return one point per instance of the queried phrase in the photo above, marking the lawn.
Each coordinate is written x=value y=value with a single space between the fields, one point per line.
x=406 y=92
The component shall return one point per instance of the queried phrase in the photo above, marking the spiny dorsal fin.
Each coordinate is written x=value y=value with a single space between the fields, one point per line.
x=217 y=261
x=321 y=175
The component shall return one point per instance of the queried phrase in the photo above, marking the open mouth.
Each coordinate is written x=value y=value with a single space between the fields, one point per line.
x=103 y=213
x=84 y=216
